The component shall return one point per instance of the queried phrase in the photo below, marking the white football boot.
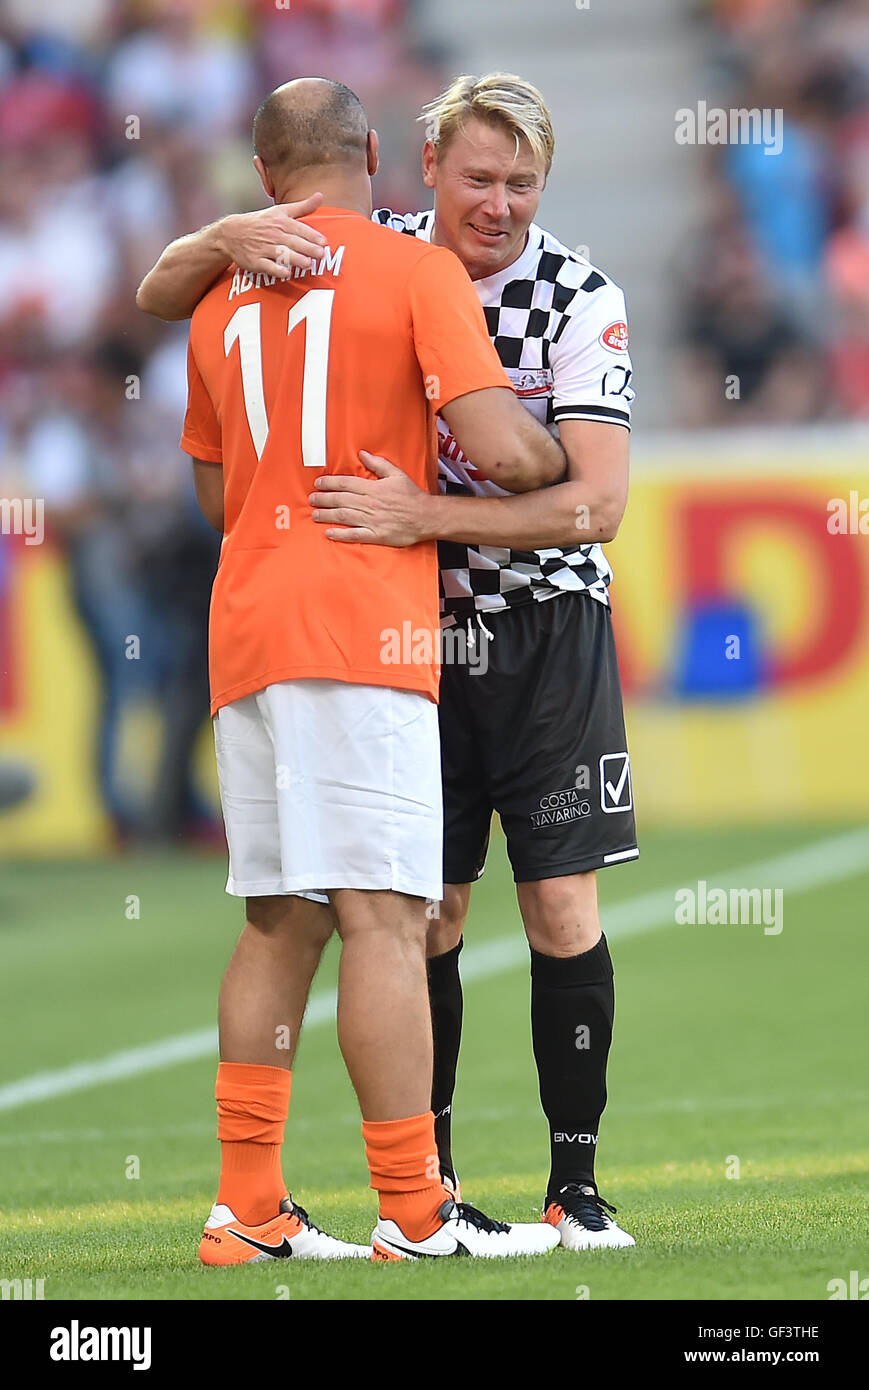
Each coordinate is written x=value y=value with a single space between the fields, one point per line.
x=465 y=1231
x=580 y=1217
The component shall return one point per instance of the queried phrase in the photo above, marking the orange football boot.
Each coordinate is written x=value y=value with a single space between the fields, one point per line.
x=291 y=1233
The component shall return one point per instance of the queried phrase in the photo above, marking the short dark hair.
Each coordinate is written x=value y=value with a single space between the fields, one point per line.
x=293 y=130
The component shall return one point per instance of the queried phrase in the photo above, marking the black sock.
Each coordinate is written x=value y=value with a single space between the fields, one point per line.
x=572 y=1007
x=445 y=994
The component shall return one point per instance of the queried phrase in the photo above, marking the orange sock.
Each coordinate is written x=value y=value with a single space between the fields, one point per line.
x=402 y=1156
x=252 y=1107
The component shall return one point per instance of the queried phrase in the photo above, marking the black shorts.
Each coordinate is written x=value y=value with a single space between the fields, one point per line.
x=537 y=733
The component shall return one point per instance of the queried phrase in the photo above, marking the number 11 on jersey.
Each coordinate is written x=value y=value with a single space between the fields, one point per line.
x=314 y=308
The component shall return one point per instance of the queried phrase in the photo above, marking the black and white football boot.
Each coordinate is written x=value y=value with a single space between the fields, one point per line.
x=464 y=1231
x=580 y=1216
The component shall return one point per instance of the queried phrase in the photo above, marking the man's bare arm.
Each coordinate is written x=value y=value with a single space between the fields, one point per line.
x=588 y=507
x=271 y=240
x=504 y=440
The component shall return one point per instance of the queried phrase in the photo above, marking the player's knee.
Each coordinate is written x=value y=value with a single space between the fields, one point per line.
x=309 y=921
x=442 y=937
x=448 y=920
x=561 y=914
x=366 y=913
x=267 y=914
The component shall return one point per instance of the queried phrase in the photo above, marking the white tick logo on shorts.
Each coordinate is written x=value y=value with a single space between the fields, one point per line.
x=615 y=783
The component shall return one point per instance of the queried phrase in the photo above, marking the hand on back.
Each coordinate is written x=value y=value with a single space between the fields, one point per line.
x=273 y=240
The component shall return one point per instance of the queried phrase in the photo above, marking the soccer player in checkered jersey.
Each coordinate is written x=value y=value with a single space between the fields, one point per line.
x=536 y=731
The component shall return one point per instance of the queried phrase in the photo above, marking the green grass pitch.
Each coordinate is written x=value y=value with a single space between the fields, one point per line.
x=732 y=1047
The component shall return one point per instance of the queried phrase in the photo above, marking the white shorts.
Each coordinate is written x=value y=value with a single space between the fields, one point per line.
x=326 y=785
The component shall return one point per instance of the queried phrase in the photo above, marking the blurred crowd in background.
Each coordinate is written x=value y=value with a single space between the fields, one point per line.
x=123 y=125
x=776 y=291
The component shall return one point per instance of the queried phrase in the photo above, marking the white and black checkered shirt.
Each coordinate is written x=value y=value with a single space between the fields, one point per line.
x=560 y=329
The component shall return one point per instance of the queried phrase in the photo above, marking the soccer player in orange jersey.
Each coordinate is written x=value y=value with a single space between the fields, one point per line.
x=325 y=727
x=534 y=727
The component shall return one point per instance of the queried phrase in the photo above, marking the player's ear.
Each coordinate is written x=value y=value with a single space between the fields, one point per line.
x=429 y=164
x=265 y=177
x=373 y=152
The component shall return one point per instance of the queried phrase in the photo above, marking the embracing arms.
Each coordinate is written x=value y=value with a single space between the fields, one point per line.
x=271 y=240
x=390 y=510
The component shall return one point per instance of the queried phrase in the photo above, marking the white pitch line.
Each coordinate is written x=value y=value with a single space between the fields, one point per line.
x=826 y=861
x=134 y=1061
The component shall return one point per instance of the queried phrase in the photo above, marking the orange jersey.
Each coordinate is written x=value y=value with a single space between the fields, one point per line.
x=288 y=380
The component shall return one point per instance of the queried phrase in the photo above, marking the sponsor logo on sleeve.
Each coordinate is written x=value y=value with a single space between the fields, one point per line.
x=615 y=337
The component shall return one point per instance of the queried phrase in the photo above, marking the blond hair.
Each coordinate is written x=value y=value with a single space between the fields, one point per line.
x=499 y=98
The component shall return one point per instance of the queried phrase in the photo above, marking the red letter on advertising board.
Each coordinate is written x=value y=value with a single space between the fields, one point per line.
x=711 y=526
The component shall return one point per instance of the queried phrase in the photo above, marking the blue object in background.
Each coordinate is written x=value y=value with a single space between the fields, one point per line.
x=719 y=655
x=787 y=198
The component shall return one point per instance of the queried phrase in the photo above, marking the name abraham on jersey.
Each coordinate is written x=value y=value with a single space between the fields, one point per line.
x=244 y=280
x=560 y=329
